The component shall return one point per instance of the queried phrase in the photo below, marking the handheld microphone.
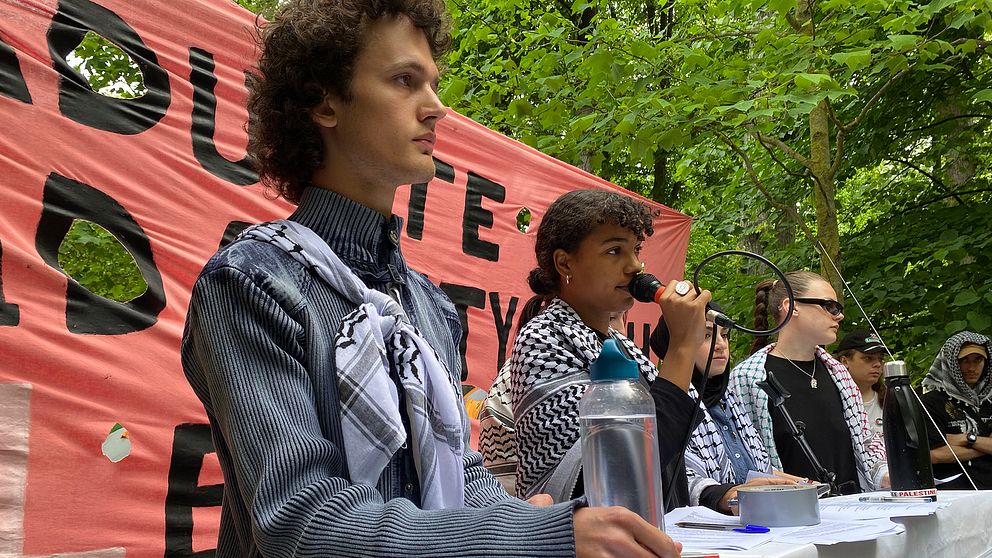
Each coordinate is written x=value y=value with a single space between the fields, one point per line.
x=645 y=287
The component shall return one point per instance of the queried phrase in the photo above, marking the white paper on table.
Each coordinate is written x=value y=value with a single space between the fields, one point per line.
x=705 y=539
x=832 y=532
x=848 y=508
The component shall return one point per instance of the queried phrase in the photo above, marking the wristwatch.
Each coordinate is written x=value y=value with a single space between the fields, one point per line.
x=972 y=438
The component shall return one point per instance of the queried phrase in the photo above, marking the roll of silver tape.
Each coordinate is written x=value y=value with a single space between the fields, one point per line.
x=779 y=506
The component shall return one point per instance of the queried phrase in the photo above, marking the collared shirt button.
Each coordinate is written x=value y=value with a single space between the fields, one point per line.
x=737 y=455
x=408 y=487
x=725 y=427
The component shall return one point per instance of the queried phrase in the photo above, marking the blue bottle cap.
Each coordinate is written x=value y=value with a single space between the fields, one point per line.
x=612 y=365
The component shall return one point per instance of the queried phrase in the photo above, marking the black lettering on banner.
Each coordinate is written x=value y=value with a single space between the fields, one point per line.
x=12 y=82
x=418 y=199
x=232 y=231
x=65 y=200
x=190 y=444
x=444 y=171
x=239 y=173
x=503 y=325
x=645 y=341
x=475 y=217
x=77 y=100
x=9 y=313
x=463 y=297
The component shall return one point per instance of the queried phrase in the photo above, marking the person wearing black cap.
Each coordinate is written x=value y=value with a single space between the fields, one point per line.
x=863 y=353
x=958 y=395
x=725 y=446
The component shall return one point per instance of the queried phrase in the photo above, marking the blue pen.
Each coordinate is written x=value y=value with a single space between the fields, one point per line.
x=722 y=527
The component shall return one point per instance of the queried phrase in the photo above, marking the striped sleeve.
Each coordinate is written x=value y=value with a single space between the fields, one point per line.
x=246 y=355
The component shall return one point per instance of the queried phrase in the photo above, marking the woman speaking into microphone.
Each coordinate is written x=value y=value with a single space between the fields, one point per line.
x=588 y=250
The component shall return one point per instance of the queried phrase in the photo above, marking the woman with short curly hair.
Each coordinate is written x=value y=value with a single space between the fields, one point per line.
x=588 y=251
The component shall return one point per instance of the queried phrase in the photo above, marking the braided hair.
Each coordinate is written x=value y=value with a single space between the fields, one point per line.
x=769 y=296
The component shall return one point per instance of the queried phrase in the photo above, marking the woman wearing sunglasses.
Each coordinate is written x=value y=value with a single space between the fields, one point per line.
x=824 y=397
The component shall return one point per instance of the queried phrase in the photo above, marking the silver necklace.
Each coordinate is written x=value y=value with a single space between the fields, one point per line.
x=812 y=379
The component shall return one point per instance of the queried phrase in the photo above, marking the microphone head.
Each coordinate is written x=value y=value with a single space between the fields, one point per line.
x=644 y=286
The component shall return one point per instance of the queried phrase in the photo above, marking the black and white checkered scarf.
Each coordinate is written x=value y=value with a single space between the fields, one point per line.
x=707 y=454
x=375 y=336
x=549 y=372
x=945 y=373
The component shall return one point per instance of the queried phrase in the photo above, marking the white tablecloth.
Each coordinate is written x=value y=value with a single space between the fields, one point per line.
x=962 y=530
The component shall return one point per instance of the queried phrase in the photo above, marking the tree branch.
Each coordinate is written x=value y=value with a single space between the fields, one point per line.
x=784 y=147
x=771 y=154
x=788 y=209
x=948 y=119
x=833 y=115
x=920 y=205
x=936 y=181
x=838 y=153
x=871 y=102
x=843 y=129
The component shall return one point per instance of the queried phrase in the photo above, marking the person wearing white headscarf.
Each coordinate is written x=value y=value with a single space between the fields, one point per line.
x=958 y=395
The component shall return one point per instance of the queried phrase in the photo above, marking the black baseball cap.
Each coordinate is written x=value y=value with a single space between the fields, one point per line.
x=861 y=340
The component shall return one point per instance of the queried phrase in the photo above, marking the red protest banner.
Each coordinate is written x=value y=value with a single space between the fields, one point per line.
x=165 y=173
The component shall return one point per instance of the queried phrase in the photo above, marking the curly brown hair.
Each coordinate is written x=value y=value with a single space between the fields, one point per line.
x=568 y=221
x=307 y=51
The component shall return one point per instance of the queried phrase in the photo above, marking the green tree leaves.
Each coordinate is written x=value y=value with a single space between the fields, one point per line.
x=710 y=107
x=97 y=260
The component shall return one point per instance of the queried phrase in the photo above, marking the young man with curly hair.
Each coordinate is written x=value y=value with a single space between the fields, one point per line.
x=328 y=368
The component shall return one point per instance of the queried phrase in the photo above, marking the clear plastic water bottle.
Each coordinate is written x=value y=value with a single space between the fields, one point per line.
x=620 y=463
x=907 y=448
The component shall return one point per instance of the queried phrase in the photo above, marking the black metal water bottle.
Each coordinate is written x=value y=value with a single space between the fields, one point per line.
x=906 y=446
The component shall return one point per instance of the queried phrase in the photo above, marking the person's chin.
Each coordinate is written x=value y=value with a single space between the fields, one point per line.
x=422 y=173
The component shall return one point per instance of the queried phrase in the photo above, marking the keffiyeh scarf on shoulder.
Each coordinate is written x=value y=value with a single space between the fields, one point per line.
x=497 y=441
x=945 y=373
x=375 y=336
x=707 y=455
x=869 y=450
x=549 y=372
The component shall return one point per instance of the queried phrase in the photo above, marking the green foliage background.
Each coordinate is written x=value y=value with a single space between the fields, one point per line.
x=711 y=108
x=717 y=108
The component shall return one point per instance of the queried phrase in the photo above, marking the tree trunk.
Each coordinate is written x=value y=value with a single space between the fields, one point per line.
x=824 y=194
x=664 y=188
x=824 y=188
x=959 y=166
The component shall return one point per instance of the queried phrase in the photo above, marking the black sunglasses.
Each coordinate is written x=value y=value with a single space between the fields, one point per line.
x=832 y=306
